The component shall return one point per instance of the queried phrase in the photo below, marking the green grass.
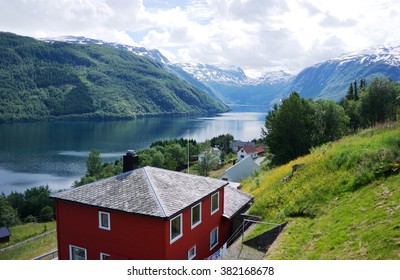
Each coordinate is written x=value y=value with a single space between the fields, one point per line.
x=33 y=248
x=343 y=203
x=22 y=232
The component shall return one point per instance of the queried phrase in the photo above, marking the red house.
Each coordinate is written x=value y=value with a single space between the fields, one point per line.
x=147 y=213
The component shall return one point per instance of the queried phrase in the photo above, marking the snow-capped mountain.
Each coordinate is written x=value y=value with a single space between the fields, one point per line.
x=214 y=73
x=330 y=79
x=275 y=77
x=151 y=53
x=389 y=55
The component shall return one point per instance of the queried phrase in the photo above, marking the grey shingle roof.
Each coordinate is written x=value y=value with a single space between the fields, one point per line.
x=234 y=200
x=148 y=191
x=4 y=232
x=240 y=170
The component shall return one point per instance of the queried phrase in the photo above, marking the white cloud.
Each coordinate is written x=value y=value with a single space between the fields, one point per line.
x=257 y=35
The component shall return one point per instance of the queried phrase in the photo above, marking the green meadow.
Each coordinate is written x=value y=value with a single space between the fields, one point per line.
x=342 y=203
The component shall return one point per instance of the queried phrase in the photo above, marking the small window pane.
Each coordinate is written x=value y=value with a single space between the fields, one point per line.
x=213 y=238
x=214 y=202
x=176 y=229
x=196 y=215
x=192 y=253
x=104 y=220
x=78 y=253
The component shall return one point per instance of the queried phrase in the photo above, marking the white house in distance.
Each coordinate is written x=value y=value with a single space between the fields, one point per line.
x=235 y=145
x=247 y=151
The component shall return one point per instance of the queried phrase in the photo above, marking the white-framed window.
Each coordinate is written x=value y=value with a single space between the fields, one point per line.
x=196 y=215
x=213 y=238
x=77 y=253
x=214 y=203
x=104 y=220
x=175 y=228
x=192 y=253
x=104 y=256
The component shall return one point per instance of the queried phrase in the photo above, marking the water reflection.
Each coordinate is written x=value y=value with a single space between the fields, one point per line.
x=55 y=153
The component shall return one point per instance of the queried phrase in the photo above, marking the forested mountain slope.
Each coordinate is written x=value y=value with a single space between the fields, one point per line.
x=41 y=81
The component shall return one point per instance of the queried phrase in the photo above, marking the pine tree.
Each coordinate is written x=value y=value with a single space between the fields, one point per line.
x=355 y=90
x=350 y=92
x=362 y=84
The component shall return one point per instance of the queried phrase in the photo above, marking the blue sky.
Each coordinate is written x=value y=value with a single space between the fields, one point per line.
x=256 y=35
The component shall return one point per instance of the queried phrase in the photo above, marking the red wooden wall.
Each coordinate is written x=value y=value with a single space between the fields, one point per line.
x=137 y=237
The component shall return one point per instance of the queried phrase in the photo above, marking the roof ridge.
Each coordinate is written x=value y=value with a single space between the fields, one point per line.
x=158 y=200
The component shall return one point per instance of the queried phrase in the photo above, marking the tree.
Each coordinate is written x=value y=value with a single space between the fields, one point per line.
x=379 y=102
x=8 y=215
x=205 y=163
x=289 y=128
x=36 y=199
x=355 y=90
x=331 y=121
x=94 y=164
x=46 y=214
x=352 y=110
x=350 y=92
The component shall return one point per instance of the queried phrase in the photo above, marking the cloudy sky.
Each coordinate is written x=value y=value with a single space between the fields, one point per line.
x=256 y=35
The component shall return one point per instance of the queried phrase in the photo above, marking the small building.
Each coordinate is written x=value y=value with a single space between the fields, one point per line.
x=235 y=145
x=241 y=170
x=260 y=151
x=147 y=214
x=4 y=235
x=247 y=151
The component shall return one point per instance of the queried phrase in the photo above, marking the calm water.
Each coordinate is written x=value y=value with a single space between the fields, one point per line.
x=54 y=153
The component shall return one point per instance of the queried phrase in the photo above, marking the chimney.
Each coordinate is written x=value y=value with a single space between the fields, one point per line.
x=130 y=161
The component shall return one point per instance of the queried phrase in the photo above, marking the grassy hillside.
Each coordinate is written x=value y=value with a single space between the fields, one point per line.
x=342 y=203
x=40 y=81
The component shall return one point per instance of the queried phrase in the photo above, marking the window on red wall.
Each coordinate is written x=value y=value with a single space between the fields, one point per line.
x=213 y=238
x=77 y=253
x=104 y=220
x=214 y=203
x=196 y=215
x=175 y=228
x=192 y=253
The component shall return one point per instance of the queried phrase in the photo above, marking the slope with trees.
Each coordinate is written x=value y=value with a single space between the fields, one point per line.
x=41 y=81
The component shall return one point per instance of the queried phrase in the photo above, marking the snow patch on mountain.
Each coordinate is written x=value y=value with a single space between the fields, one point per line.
x=151 y=53
x=389 y=55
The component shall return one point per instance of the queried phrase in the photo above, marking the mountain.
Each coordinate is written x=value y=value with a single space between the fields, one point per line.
x=331 y=79
x=150 y=53
x=42 y=80
x=232 y=86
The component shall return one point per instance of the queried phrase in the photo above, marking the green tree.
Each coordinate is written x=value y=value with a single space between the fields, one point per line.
x=289 y=128
x=8 y=215
x=46 y=214
x=350 y=92
x=36 y=199
x=379 y=102
x=352 y=110
x=204 y=166
x=158 y=159
x=331 y=122
x=94 y=164
x=355 y=90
